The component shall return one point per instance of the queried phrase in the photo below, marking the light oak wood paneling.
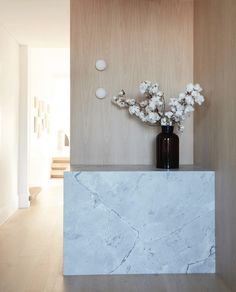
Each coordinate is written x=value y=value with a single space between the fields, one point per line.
x=31 y=258
x=140 y=40
x=215 y=138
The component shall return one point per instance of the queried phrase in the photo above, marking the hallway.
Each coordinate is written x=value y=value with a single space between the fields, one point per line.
x=31 y=257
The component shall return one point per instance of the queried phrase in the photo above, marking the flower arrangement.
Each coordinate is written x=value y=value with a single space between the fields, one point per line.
x=153 y=109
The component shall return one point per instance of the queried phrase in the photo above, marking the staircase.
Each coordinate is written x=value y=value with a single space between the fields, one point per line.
x=59 y=165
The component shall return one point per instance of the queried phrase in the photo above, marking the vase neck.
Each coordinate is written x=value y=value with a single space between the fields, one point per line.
x=167 y=129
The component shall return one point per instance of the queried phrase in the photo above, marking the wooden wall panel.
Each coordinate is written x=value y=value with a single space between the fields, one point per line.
x=141 y=40
x=214 y=134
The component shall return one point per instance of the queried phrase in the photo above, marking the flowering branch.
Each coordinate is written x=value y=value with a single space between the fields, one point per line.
x=152 y=109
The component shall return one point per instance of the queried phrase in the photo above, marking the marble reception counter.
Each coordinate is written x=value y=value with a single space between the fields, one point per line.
x=138 y=220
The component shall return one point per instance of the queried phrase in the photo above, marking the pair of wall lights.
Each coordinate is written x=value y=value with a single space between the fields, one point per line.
x=101 y=65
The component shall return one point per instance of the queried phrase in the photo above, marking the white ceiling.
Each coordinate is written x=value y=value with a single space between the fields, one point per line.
x=37 y=23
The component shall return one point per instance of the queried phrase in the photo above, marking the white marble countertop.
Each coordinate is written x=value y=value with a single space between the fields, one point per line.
x=77 y=168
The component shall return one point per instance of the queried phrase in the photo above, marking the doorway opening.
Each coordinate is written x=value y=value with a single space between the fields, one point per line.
x=49 y=108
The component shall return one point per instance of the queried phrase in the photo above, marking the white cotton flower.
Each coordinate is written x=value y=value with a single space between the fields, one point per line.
x=156 y=99
x=134 y=109
x=176 y=119
x=199 y=99
x=179 y=107
x=173 y=102
x=197 y=87
x=153 y=118
x=152 y=106
x=178 y=113
x=144 y=86
x=190 y=87
x=194 y=93
x=142 y=116
x=188 y=109
x=158 y=102
x=137 y=111
x=151 y=121
x=168 y=114
x=147 y=109
x=189 y=99
x=121 y=103
x=181 y=96
x=151 y=109
x=154 y=88
x=164 y=121
x=130 y=101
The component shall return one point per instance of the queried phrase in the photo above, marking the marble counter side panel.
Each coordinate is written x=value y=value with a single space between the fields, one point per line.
x=139 y=222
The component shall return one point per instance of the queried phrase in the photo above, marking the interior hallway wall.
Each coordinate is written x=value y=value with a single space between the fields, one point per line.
x=49 y=80
x=23 y=155
x=140 y=40
x=9 y=102
x=215 y=135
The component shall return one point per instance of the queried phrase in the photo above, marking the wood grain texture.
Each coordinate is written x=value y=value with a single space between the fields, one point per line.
x=31 y=248
x=215 y=138
x=140 y=40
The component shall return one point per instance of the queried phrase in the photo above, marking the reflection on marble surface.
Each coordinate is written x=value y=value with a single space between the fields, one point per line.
x=139 y=222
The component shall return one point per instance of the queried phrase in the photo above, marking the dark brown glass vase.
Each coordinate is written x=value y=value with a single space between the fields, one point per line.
x=167 y=148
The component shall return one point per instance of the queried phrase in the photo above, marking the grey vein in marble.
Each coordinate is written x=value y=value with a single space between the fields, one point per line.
x=139 y=222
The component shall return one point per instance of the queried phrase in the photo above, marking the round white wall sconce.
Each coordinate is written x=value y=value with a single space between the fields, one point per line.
x=101 y=65
x=101 y=93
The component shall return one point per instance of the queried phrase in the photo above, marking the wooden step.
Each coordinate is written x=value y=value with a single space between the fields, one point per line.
x=60 y=165
x=57 y=174
x=61 y=160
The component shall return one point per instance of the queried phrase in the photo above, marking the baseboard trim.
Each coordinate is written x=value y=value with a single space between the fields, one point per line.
x=24 y=202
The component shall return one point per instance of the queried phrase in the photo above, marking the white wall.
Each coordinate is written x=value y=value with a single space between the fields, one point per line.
x=9 y=101
x=49 y=80
x=23 y=161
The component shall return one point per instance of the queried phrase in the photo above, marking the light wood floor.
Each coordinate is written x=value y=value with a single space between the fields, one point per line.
x=31 y=258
